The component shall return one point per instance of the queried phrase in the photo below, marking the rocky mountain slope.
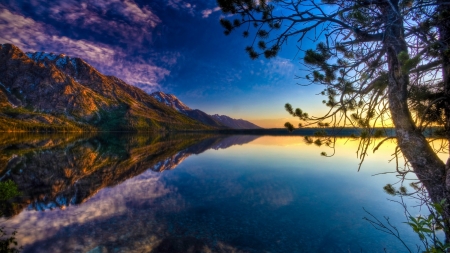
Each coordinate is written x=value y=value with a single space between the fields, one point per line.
x=211 y=120
x=43 y=90
x=234 y=123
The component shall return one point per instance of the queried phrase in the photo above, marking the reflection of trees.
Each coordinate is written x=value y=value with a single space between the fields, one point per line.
x=57 y=171
x=379 y=62
x=8 y=243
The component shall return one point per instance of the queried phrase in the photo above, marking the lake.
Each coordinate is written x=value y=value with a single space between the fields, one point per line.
x=197 y=193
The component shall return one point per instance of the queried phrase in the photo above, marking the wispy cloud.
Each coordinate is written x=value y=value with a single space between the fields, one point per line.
x=280 y=67
x=207 y=12
x=123 y=19
x=30 y=35
x=182 y=5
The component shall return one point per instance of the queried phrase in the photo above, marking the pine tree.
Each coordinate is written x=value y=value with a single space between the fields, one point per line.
x=378 y=61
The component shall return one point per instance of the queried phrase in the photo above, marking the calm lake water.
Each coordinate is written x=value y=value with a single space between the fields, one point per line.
x=197 y=193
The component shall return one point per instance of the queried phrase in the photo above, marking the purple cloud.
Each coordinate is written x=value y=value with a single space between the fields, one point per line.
x=121 y=18
x=30 y=35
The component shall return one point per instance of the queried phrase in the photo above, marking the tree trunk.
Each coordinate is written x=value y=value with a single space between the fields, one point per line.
x=443 y=24
x=426 y=164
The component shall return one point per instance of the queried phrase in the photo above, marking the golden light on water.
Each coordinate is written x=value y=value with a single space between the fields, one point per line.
x=347 y=147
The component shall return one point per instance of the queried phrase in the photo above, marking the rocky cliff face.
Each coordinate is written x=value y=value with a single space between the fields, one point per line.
x=44 y=87
x=69 y=88
x=222 y=121
x=170 y=100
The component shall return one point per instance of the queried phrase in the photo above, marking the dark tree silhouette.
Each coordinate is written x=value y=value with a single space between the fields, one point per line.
x=8 y=243
x=379 y=61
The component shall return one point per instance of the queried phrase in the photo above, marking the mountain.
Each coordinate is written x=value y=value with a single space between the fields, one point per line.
x=211 y=120
x=41 y=91
x=175 y=103
x=234 y=123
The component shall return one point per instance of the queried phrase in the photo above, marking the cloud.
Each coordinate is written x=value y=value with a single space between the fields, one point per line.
x=195 y=8
x=122 y=19
x=30 y=35
x=207 y=12
x=280 y=67
x=144 y=76
x=273 y=73
x=169 y=58
x=126 y=13
x=182 y=5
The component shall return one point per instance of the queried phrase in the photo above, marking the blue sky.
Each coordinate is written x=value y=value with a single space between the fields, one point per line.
x=176 y=46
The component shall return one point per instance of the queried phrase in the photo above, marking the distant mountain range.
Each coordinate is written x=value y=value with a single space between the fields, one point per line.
x=44 y=91
x=211 y=120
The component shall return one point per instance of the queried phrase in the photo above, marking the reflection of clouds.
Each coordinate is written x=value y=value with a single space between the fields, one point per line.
x=223 y=204
x=107 y=203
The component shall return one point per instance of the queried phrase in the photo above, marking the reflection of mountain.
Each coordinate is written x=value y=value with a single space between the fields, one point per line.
x=221 y=142
x=57 y=171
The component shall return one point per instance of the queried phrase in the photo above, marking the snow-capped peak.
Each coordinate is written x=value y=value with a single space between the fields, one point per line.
x=170 y=100
x=61 y=60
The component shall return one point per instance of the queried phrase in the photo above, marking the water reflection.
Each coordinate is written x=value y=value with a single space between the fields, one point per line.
x=58 y=171
x=273 y=194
